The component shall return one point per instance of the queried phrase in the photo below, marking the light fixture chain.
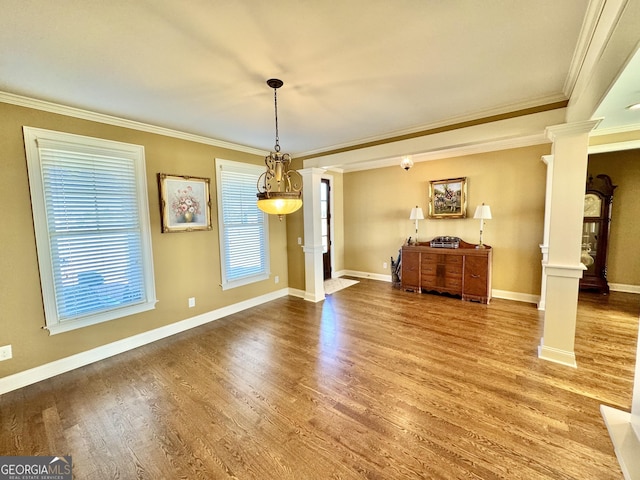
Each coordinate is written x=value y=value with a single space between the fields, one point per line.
x=275 y=103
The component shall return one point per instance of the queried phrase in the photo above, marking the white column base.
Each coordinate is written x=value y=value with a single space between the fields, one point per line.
x=561 y=306
x=625 y=442
x=314 y=283
x=314 y=297
x=556 y=355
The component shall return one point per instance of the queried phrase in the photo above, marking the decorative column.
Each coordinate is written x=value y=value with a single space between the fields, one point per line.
x=565 y=211
x=624 y=428
x=544 y=246
x=313 y=271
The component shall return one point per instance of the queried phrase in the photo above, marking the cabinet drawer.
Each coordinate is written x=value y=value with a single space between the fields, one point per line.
x=453 y=270
x=428 y=281
x=453 y=260
x=429 y=268
x=429 y=258
x=453 y=283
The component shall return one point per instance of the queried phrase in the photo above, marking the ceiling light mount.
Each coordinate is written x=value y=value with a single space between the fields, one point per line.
x=279 y=187
x=406 y=163
x=275 y=82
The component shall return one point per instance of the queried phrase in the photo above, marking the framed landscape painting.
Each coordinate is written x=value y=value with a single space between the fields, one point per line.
x=185 y=203
x=448 y=198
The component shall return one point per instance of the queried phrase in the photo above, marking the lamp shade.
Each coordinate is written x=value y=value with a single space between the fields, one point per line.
x=416 y=214
x=483 y=212
x=279 y=203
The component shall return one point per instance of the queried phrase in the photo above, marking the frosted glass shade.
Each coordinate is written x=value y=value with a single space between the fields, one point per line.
x=279 y=203
x=406 y=163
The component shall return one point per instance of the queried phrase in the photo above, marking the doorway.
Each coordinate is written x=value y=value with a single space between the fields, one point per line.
x=325 y=228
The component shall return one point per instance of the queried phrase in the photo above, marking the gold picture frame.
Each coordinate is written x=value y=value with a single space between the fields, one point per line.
x=448 y=198
x=185 y=203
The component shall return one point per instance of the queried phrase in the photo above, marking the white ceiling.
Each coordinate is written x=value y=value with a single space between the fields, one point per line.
x=623 y=93
x=353 y=70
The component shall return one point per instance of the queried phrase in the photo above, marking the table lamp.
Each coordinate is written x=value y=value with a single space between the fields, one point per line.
x=416 y=214
x=483 y=212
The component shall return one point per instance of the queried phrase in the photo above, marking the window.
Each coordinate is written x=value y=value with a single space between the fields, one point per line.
x=244 y=229
x=91 y=218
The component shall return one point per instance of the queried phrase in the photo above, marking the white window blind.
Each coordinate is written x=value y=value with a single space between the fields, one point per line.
x=91 y=218
x=243 y=227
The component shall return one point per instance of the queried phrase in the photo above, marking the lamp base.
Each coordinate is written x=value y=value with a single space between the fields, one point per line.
x=480 y=246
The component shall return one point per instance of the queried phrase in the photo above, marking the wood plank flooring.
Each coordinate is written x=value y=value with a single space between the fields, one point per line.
x=372 y=383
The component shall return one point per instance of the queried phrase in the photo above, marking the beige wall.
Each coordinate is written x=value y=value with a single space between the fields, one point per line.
x=377 y=204
x=295 y=255
x=624 y=240
x=186 y=264
x=337 y=211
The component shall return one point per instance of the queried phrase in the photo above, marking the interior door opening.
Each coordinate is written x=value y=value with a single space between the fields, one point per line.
x=325 y=215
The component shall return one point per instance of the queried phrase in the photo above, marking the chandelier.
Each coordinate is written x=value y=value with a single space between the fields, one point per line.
x=279 y=188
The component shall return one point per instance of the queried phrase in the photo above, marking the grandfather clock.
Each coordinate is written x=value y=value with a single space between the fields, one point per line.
x=595 y=233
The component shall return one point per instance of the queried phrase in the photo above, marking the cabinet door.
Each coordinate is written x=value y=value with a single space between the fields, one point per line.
x=411 y=270
x=475 y=276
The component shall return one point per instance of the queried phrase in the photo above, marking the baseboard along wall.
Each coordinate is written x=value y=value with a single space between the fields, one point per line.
x=57 y=367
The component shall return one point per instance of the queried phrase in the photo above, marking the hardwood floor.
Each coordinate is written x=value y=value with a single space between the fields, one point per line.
x=372 y=383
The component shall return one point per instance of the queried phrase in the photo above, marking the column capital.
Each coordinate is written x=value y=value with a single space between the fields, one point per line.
x=307 y=172
x=547 y=159
x=555 y=132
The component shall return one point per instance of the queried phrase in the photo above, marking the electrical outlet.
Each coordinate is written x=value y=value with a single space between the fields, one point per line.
x=384 y=264
x=192 y=302
x=276 y=279
x=5 y=353
x=299 y=240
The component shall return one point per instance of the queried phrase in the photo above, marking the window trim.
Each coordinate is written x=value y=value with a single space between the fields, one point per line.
x=34 y=136
x=257 y=171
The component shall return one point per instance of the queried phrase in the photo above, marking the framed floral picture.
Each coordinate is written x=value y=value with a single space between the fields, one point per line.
x=185 y=203
x=448 y=198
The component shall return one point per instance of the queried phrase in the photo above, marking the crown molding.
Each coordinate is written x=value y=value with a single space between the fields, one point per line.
x=554 y=132
x=51 y=107
x=457 y=151
x=514 y=109
x=598 y=132
x=614 y=147
x=582 y=60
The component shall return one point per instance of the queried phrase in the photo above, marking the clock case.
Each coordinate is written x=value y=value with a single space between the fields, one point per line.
x=595 y=234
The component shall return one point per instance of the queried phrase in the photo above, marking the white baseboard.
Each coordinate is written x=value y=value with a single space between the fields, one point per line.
x=555 y=355
x=294 y=292
x=621 y=287
x=516 y=296
x=357 y=274
x=48 y=370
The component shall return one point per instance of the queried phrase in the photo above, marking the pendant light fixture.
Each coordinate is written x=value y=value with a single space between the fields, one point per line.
x=279 y=188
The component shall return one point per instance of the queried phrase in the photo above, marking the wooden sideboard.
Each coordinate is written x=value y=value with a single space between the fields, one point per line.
x=463 y=271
